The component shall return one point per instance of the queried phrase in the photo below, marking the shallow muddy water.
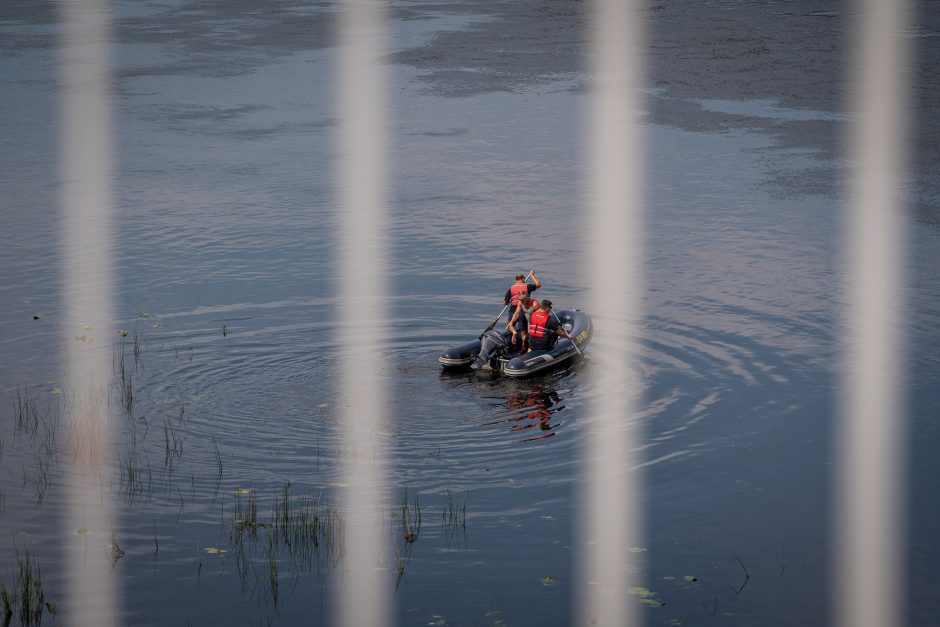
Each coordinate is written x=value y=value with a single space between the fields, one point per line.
x=225 y=124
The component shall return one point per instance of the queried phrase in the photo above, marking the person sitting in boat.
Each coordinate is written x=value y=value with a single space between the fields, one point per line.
x=544 y=328
x=519 y=322
x=519 y=290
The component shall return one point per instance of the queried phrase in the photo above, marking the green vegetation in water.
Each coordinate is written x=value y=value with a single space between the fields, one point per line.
x=6 y=603
x=454 y=515
x=218 y=464
x=115 y=550
x=27 y=600
x=409 y=529
x=26 y=410
x=410 y=515
x=172 y=445
x=135 y=477
x=308 y=533
x=646 y=596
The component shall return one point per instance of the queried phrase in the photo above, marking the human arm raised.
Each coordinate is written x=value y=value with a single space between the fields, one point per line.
x=535 y=279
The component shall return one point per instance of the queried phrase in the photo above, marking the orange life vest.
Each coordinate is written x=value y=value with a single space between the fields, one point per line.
x=518 y=291
x=537 y=323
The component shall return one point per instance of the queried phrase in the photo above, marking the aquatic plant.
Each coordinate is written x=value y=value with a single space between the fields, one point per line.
x=6 y=603
x=135 y=480
x=28 y=594
x=26 y=410
x=156 y=544
x=245 y=517
x=138 y=362
x=218 y=464
x=454 y=515
x=115 y=550
x=409 y=529
x=127 y=395
x=172 y=445
x=272 y=571
x=410 y=515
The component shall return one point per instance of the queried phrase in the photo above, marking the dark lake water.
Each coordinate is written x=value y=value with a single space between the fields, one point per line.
x=225 y=122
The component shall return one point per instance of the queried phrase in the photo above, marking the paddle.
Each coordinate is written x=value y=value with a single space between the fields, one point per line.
x=557 y=319
x=506 y=306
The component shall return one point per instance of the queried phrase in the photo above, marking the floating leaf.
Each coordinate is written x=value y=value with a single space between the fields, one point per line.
x=646 y=596
x=214 y=551
x=548 y=581
x=56 y=390
x=242 y=491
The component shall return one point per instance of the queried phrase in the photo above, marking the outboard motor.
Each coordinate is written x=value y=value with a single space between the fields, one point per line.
x=492 y=344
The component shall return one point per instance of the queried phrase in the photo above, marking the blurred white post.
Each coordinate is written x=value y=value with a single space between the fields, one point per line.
x=86 y=238
x=870 y=491
x=613 y=516
x=364 y=594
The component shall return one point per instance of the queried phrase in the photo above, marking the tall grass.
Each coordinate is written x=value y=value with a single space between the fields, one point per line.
x=454 y=515
x=27 y=600
x=26 y=410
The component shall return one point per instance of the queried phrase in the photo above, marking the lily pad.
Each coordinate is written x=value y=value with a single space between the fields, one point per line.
x=646 y=596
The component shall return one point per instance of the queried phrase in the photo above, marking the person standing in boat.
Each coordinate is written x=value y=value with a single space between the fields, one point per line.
x=520 y=290
x=519 y=322
x=544 y=328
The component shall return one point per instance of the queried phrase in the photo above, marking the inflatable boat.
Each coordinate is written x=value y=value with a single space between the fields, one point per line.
x=492 y=351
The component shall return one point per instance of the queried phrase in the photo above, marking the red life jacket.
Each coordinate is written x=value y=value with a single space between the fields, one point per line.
x=537 y=323
x=518 y=291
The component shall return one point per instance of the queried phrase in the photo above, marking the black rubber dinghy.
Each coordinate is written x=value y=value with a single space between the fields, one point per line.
x=492 y=351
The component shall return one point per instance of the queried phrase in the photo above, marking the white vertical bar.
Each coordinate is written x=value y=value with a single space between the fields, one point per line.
x=365 y=590
x=869 y=521
x=86 y=238
x=613 y=516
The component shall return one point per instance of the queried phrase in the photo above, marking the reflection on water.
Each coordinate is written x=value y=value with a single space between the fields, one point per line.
x=225 y=462
x=532 y=406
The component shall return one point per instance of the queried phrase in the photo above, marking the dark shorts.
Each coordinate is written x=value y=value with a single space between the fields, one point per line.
x=544 y=343
x=522 y=324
